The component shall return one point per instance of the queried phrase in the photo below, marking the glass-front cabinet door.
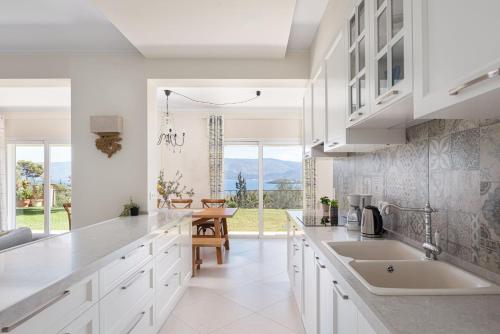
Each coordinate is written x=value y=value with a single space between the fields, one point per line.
x=358 y=42
x=392 y=50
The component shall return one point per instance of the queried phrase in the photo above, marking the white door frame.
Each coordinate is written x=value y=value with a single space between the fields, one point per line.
x=11 y=178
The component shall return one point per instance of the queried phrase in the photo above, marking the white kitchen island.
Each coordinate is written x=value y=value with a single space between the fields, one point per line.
x=123 y=275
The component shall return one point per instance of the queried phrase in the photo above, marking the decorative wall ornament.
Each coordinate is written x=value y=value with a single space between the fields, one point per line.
x=108 y=128
x=216 y=154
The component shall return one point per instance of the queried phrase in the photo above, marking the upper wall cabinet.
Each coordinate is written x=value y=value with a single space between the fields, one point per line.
x=319 y=108
x=358 y=67
x=307 y=122
x=457 y=58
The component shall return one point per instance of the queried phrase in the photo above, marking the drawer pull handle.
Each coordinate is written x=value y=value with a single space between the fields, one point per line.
x=491 y=74
x=134 y=278
x=174 y=274
x=333 y=144
x=341 y=295
x=10 y=328
x=136 y=322
x=172 y=228
x=322 y=266
x=168 y=250
x=386 y=95
x=124 y=257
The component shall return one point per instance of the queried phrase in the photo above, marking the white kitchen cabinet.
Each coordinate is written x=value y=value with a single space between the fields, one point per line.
x=307 y=122
x=318 y=107
x=186 y=249
x=363 y=325
x=338 y=137
x=325 y=299
x=358 y=64
x=392 y=54
x=456 y=58
x=309 y=289
x=87 y=323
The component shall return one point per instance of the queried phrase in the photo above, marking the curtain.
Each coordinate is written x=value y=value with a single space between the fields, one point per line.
x=216 y=155
x=3 y=176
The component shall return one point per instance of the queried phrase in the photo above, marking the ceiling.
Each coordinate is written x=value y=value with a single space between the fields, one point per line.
x=272 y=99
x=160 y=28
x=44 y=26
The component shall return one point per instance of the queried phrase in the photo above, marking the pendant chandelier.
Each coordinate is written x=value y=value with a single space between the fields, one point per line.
x=169 y=136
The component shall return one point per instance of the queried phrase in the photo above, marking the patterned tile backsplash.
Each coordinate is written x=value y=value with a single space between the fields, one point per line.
x=454 y=163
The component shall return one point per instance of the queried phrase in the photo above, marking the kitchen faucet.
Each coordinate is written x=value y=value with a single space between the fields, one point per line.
x=432 y=250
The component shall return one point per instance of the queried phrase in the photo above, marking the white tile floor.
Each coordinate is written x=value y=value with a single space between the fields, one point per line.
x=249 y=293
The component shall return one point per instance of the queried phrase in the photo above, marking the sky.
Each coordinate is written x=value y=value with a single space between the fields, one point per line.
x=58 y=153
x=286 y=153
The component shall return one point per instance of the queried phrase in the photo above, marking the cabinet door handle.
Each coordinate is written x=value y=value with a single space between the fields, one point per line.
x=341 y=295
x=333 y=144
x=173 y=275
x=489 y=75
x=136 y=322
x=132 y=280
x=169 y=248
x=322 y=266
x=124 y=257
x=10 y=328
x=172 y=228
x=386 y=95
x=295 y=269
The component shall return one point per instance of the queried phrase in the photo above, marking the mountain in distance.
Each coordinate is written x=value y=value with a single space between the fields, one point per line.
x=274 y=169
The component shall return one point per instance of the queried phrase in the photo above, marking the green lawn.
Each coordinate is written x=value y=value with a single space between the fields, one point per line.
x=33 y=218
x=247 y=220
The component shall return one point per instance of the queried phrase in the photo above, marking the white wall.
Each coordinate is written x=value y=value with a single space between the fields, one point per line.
x=35 y=126
x=117 y=84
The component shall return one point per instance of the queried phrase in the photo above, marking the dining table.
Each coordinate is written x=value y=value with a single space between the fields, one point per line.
x=219 y=216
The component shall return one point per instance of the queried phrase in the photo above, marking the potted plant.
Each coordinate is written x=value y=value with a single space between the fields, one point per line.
x=23 y=194
x=37 y=196
x=130 y=209
x=334 y=212
x=325 y=204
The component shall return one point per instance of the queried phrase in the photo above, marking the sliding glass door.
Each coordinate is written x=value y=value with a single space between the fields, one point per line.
x=263 y=181
x=39 y=181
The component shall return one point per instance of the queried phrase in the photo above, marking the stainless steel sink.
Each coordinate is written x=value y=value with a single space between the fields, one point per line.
x=390 y=267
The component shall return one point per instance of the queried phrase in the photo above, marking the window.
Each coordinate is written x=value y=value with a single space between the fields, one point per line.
x=39 y=184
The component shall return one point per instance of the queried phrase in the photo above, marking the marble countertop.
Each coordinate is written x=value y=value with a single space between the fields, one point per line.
x=30 y=274
x=478 y=314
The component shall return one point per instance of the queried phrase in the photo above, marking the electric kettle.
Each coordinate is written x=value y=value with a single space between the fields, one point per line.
x=371 y=222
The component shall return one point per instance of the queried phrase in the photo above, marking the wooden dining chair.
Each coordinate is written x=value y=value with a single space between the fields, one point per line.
x=209 y=224
x=180 y=203
x=67 y=208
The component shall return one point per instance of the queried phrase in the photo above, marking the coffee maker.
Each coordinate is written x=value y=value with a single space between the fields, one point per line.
x=356 y=203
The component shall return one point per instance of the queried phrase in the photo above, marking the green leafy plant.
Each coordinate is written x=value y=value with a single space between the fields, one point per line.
x=127 y=207
x=334 y=203
x=325 y=200
x=167 y=188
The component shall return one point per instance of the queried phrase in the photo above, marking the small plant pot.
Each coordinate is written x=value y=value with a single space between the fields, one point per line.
x=326 y=209
x=23 y=203
x=37 y=203
x=334 y=216
x=134 y=211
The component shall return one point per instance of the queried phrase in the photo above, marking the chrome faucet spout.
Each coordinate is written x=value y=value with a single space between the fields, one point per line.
x=432 y=249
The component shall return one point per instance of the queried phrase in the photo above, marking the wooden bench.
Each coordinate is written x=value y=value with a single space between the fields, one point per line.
x=204 y=241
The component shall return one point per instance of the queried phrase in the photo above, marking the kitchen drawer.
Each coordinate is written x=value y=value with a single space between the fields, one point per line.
x=167 y=237
x=63 y=308
x=167 y=288
x=142 y=320
x=117 y=305
x=114 y=273
x=167 y=257
x=87 y=323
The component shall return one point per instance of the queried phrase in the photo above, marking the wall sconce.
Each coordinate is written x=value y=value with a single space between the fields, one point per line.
x=108 y=128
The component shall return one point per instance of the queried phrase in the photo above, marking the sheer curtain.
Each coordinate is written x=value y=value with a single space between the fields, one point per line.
x=3 y=176
x=216 y=155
